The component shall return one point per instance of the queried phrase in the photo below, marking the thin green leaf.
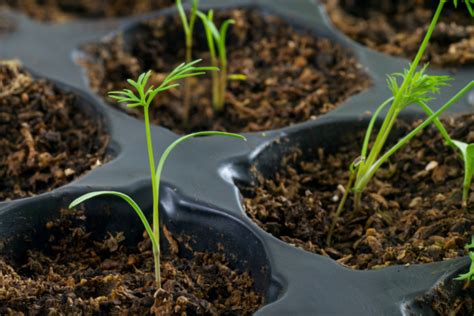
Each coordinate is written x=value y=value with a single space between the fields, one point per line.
x=222 y=40
x=210 y=41
x=192 y=20
x=420 y=89
x=468 y=3
x=368 y=133
x=362 y=182
x=237 y=77
x=215 y=32
x=132 y=83
x=127 y=199
x=133 y=105
x=467 y=152
x=170 y=148
x=153 y=93
x=182 y=15
x=438 y=124
x=194 y=74
x=185 y=71
x=469 y=276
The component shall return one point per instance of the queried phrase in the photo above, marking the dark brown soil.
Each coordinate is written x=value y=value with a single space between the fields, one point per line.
x=397 y=28
x=46 y=140
x=79 y=276
x=411 y=210
x=449 y=298
x=292 y=76
x=64 y=10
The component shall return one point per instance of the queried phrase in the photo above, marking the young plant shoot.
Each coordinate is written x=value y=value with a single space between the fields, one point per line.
x=416 y=88
x=143 y=97
x=217 y=39
x=188 y=26
x=469 y=276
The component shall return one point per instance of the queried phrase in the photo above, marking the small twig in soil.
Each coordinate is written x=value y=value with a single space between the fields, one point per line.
x=30 y=143
x=12 y=79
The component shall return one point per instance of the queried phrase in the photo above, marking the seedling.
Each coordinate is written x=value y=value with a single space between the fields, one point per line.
x=143 y=96
x=469 y=276
x=466 y=153
x=188 y=26
x=217 y=38
x=416 y=88
x=469 y=5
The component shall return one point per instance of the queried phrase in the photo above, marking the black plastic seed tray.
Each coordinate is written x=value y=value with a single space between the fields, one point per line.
x=199 y=197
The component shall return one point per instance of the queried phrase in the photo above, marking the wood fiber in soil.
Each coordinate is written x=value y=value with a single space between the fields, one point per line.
x=77 y=275
x=397 y=28
x=292 y=76
x=64 y=10
x=46 y=139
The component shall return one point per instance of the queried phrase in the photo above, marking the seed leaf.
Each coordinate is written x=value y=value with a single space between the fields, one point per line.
x=467 y=153
x=237 y=77
x=127 y=199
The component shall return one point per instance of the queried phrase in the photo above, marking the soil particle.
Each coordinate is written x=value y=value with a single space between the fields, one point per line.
x=65 y=10
x=397 y=28
x=46 y=140
x=449 y=298
x=78 y=275
x=411 y=210
x=292 y=76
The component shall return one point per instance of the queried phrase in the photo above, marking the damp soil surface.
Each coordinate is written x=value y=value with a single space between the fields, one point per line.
x=411 y=211
x=449 y=298
x=397 y=28
x=76 y=274
x=292 y=76
x=46 y=138
x=65 y=10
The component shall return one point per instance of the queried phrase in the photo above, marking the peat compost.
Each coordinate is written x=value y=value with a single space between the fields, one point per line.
x=292 y=76
x=397 y=28
x=76 y=274
x=46 y=139
x=65 y=10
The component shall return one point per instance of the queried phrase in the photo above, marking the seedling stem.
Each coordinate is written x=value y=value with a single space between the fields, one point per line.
x=188 y=27
x=415 y=89
x=143 y=97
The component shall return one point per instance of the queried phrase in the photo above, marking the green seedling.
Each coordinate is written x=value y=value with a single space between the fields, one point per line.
x=143 y=97
x=469 y=5
x=188 y=26
x=216 y=40
x=466 y=152
x=416 y=88
x=469 y=276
